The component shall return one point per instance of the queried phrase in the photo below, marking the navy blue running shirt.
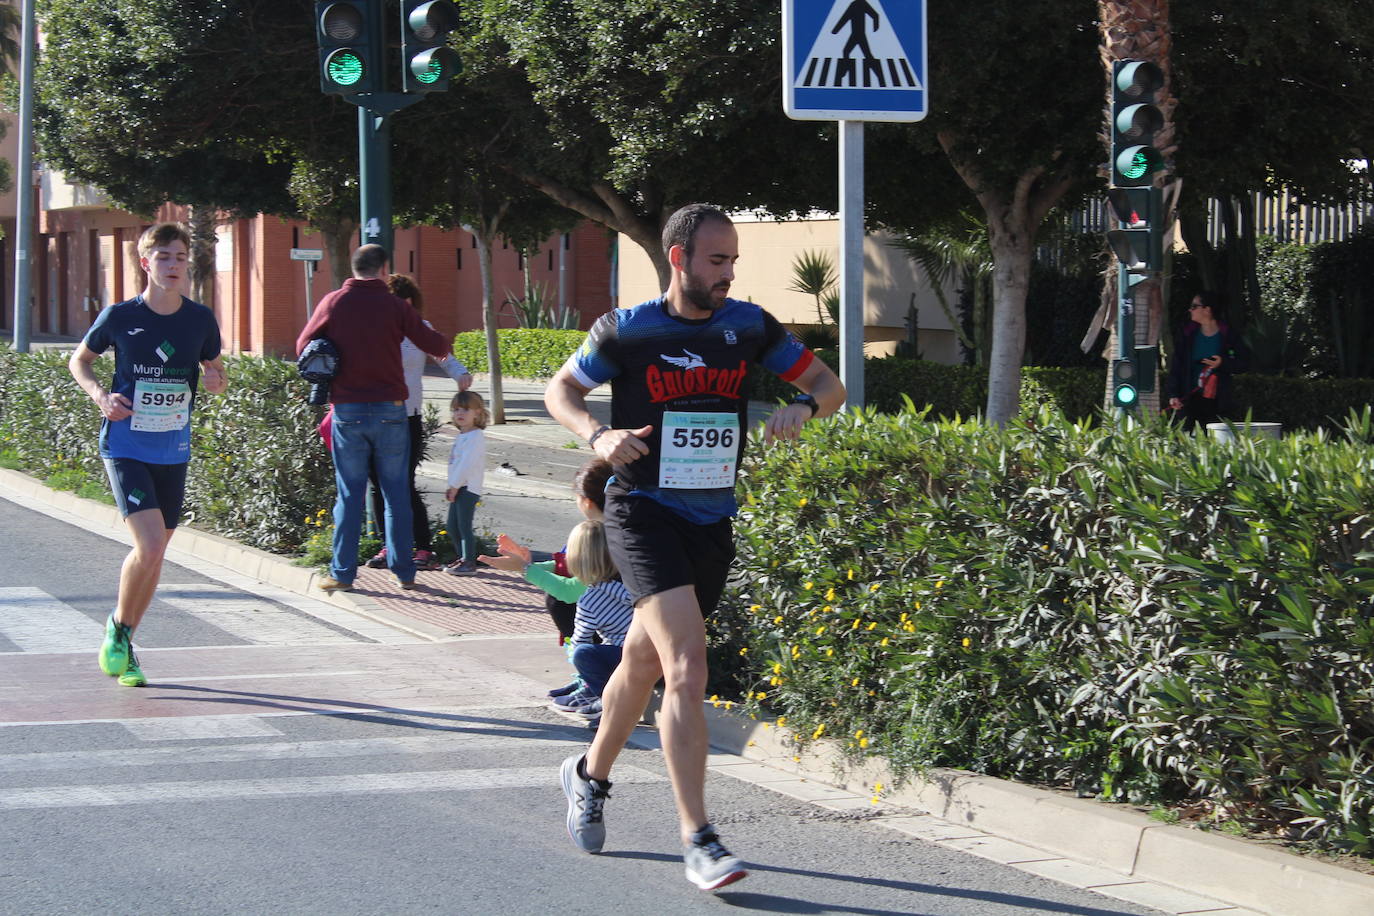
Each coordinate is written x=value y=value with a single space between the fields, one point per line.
x=690 y=380
x=157 y=367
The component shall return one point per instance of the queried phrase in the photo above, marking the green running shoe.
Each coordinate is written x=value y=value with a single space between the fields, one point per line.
x=114 y=651
x=133 y=675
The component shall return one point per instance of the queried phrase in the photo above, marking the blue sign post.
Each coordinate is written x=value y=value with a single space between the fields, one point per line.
x=853 y=61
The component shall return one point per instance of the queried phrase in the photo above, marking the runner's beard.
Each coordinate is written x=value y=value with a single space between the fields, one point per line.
x=700 y=296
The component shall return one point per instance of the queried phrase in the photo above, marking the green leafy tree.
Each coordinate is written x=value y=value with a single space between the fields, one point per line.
x=636 y=108
x=209 y=103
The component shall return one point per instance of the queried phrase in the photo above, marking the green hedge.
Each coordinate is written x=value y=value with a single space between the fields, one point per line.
x=525 y=352
x=258 y=472
x=1139 y=614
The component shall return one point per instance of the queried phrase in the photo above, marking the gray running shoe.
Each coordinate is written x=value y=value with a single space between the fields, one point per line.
x=585 y=800
x=590 y=710
x=709 y=864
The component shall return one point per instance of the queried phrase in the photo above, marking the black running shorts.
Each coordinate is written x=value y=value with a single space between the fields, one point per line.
x=137 y=486
x=655 y=549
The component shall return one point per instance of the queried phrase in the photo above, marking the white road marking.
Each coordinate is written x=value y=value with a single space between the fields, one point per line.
x=37 y=622
x=111 y=795
x=108 y=758
x=186 y=728
x=248 y=617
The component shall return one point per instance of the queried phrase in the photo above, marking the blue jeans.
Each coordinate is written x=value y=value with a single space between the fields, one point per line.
x=372 y=435
x=595 y=663
x=460 y=529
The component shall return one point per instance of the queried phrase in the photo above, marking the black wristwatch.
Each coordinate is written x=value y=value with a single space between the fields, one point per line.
x=808 y=400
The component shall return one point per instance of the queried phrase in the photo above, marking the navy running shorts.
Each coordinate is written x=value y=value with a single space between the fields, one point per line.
x=138 y=485
x=655 y=549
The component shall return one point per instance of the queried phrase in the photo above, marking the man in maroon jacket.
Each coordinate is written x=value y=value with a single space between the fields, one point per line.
x=367 y=323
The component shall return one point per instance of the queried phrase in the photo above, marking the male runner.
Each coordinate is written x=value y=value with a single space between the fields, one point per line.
x=162 y=342
x=678 y=367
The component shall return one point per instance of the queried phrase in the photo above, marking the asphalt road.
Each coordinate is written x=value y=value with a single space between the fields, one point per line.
x=287 y=757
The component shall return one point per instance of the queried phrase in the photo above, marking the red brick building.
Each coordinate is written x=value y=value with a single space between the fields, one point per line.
x=84 y=257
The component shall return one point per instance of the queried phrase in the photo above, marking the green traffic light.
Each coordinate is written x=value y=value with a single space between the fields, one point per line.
x=1136 y=162
x=344 y=67
x=432 y=73
x=1125 y=395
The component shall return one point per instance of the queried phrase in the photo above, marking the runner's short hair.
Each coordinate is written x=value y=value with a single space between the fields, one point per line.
x=681 y=228
x=163 y=234
x=589 y=558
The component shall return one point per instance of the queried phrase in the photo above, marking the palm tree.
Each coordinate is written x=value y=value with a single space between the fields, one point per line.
x=1139 y=30
x=965 y=257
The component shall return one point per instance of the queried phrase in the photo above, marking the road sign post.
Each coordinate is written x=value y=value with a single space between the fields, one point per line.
x=309 y=257
x=853 y=61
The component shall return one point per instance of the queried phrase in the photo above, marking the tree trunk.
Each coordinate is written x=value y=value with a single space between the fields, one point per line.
x=340 y=238
x=203 y=223
x=484 y=232
x=1011 y=254
x=642 y=223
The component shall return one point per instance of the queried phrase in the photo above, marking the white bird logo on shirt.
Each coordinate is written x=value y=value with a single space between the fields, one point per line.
x=690 y=361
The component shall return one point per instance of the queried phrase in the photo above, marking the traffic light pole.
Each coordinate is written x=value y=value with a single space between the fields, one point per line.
x=374 y=163
x=374 y=178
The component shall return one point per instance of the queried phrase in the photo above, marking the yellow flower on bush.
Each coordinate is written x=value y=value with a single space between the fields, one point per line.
x=857 y=621
x=863 y=742
x=872 y=626
x=774 y=681
x=777 y=619
x=830 y=595
x=851 y=575
x=967 y=642
x=744 y=651
x=873 y=587
x=820 y=730
x=939 y=584
x=777 y=667
x=859 y=733
x=782 y=720
x=760 y=695
x=796 y=651
x=854 y=683
x=820 y=630
x=884 y=642
x=807 y=585
x=755 y=608
x=829 y=653
x=801 y=502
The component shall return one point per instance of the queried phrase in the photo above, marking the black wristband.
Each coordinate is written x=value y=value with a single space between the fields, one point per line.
x=808 y=400
x=591 y=440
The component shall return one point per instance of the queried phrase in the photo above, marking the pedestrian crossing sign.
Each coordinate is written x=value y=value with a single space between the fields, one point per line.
x=854 y=60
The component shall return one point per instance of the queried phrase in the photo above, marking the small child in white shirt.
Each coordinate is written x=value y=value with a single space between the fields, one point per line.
x=466 y=466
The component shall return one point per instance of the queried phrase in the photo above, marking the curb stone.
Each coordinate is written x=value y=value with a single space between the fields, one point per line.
x=1123 y=842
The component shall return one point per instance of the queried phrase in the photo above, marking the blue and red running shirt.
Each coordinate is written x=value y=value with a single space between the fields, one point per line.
x=692 y=376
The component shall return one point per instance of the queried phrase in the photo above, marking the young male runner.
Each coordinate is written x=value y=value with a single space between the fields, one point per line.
x=678 y=367
x=162 y=342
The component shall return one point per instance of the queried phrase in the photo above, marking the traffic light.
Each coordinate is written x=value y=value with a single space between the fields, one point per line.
x=427 y=62
x=1125 y=391
x=349 y=36
x=1135 y=120
x=1137 y=241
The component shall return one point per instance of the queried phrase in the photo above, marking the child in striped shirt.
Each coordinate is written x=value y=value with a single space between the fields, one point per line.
x=604 y=610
